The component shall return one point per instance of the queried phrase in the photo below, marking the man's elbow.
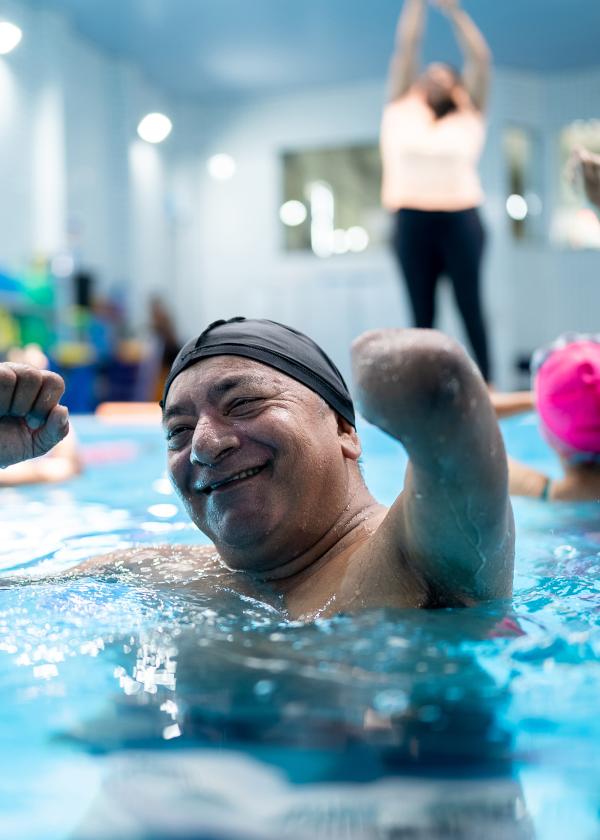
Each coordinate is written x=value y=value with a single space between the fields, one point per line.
x=424 y=367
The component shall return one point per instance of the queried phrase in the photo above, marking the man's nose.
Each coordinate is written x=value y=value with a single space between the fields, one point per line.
x=211 y=442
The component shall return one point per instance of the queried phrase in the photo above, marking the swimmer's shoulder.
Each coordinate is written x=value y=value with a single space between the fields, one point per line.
x=155 y=559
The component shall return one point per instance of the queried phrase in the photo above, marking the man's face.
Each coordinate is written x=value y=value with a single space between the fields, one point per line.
x=257 y=459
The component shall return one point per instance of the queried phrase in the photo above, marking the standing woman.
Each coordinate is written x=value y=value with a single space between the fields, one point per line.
x=432 y=136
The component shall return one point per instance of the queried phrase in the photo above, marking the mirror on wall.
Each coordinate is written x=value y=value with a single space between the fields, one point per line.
x=331 y=200
x=576 y=225
x=523 y=156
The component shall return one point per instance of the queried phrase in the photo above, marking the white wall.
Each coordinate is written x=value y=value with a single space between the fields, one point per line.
x=528 y=292
x=74 y=176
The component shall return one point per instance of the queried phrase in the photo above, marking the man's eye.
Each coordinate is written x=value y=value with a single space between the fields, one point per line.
x=176 y=431
x=244 y=403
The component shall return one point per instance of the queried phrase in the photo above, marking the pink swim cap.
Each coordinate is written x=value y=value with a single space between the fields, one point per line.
x=567 y=392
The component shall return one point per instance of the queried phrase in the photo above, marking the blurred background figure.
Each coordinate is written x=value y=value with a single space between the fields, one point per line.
x=432 y=136
x=588 y=165
x=62 y=462
x=276 y=210
x=566 y=396
x=165 y=336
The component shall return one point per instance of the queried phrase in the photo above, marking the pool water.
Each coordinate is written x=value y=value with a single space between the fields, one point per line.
x=137 y=711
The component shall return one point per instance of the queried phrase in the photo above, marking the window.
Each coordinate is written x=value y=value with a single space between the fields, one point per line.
x=576 y=224
x=331 y=200
x=523 y=160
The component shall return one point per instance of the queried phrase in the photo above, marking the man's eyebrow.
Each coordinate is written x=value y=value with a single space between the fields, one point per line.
x=219 y=389
x=172 y=411
x=229 y=383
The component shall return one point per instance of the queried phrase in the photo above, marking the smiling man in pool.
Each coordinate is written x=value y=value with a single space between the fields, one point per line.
x=263 y=452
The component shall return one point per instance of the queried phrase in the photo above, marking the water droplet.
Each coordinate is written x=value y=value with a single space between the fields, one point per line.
x=264 y=687
x=390 y=702
x=565 y=552
x=172 y=731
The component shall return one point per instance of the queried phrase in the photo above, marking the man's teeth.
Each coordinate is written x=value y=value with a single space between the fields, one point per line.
x=237 y=477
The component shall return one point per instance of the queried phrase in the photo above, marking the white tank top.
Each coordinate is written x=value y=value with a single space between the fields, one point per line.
x=430 y=164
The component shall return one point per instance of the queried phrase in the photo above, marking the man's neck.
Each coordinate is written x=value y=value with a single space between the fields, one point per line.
x=355 y=523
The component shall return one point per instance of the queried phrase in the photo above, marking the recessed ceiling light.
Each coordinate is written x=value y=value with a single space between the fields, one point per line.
x=221 y=167
x=155 y=128
x=516 y=207
x=293 y=213
x=10 y=37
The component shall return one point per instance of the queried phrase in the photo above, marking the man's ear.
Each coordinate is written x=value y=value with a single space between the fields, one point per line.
x=349 y=440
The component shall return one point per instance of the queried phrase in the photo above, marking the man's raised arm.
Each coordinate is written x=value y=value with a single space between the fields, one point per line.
x=452 y=525
x=31 y=420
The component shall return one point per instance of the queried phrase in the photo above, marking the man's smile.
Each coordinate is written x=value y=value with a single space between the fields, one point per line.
x=235 y=478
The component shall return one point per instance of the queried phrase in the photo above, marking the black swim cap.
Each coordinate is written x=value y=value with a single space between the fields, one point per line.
x=273 y=344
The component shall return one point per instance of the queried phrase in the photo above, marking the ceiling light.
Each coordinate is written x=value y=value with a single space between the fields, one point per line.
x=10 y=37
x=516 y=207
x=221 y=167
x=293 y=213
x=357 y=238
x=340 y=241
x=155 y=128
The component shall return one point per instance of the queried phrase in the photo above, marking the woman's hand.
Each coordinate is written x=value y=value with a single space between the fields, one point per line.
x=446 y=6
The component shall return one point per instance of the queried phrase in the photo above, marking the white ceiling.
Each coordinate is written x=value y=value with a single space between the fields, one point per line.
x=239 y=48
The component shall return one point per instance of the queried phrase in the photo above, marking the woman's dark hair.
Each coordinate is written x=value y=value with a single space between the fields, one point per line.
x=438 y=98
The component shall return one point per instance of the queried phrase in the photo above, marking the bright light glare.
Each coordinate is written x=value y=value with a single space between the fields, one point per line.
x=10 y=37
x=516 y=207
x=62 y=265
x=155 y=128
x=293 y=213
x=357 y=239
x=340 y=241
x=164 y=511
x=221 y=167
x=322 y=213
x=162 y=486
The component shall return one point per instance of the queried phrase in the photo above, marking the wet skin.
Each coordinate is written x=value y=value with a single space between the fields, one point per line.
x=265 y=468
x=270 y=474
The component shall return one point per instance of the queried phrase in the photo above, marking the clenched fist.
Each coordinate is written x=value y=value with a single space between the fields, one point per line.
x=31 y=419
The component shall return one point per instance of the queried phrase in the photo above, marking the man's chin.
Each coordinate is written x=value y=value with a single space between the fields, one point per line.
x=244 y=541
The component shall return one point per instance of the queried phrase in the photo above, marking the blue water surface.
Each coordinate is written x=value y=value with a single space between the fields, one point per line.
x=137 y=711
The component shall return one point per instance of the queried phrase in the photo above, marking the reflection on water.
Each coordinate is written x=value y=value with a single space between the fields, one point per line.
x=187 y=710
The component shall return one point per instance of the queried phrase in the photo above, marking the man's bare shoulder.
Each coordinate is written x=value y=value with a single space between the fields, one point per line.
x=159 y=559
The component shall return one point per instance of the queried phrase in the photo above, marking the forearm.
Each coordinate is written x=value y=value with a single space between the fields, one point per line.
x=404 y=68
x=40 y=471
x=477 y=56
x=470 y=38
x=525 y=481
x=515 y=402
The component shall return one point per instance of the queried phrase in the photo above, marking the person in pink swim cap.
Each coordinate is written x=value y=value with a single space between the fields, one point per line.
x=566 y=396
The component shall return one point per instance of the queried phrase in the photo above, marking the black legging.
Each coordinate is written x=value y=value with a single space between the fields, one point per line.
x=429 y=244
